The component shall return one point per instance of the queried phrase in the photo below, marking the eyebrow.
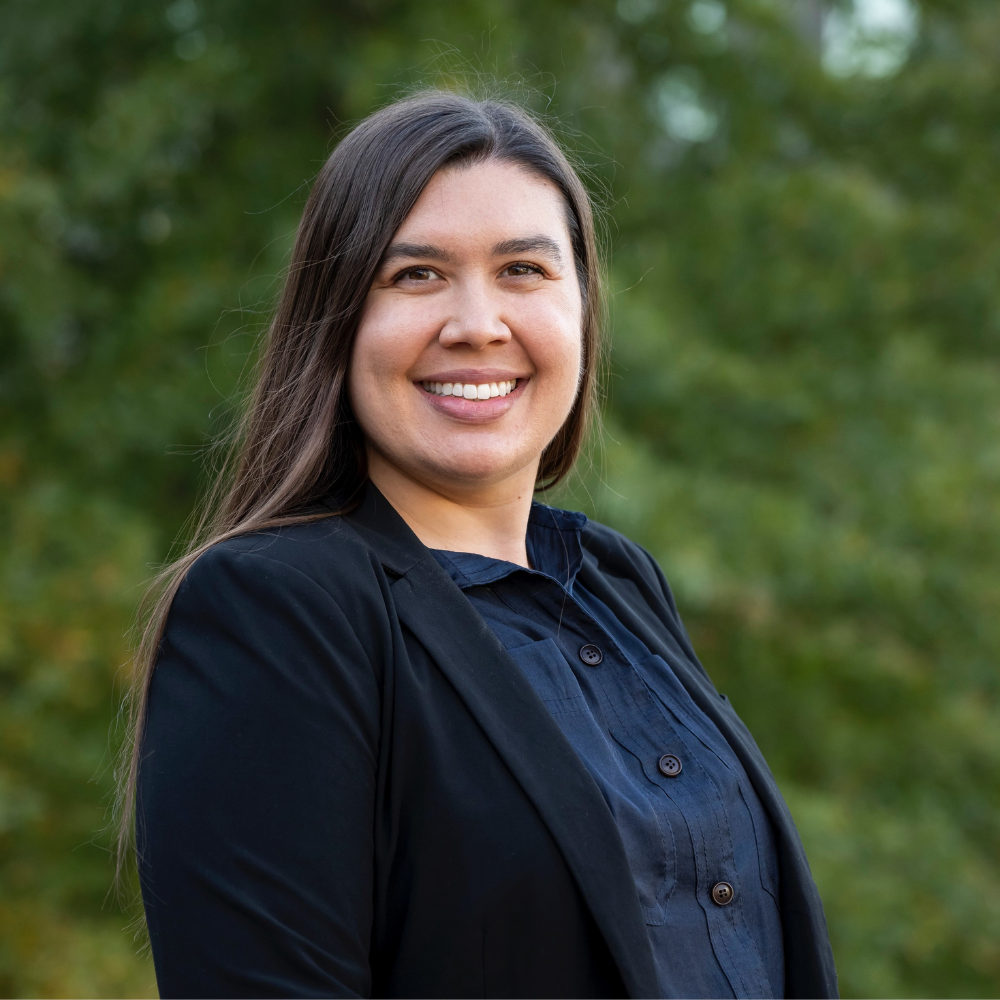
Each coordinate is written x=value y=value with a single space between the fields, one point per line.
x=425 y=250
x=428 y=251
x=528 y=244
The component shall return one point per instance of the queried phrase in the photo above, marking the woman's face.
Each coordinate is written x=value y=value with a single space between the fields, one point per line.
x=468 y=353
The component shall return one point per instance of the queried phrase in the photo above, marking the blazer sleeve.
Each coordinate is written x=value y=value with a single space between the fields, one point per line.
x=256 y=791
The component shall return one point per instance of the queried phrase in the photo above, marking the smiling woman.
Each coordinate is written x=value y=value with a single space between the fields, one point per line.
x=401 y=730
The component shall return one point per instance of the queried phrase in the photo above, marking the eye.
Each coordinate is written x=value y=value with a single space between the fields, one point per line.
x=521 y=269
x=417 y=274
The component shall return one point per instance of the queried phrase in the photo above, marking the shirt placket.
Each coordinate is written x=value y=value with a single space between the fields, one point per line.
x=642 y=728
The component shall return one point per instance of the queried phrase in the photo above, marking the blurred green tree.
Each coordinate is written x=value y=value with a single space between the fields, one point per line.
x=802 y=412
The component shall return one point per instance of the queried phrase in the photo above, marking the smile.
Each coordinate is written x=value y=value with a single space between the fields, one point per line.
x=485 y=390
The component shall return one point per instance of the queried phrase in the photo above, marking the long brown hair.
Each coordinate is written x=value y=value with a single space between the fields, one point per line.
x=297 y=445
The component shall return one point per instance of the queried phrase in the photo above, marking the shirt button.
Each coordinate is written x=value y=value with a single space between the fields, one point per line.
x=669 y=765
x=723 y=893
x=591 y=654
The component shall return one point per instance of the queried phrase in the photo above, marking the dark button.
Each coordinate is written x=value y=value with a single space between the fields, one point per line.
x=591 y=654
x=669 y=765
x=723 y=893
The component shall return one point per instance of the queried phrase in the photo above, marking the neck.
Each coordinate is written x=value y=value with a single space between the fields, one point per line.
x=491 y=521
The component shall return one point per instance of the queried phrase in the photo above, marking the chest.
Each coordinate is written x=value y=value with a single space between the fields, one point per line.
x=456 y=833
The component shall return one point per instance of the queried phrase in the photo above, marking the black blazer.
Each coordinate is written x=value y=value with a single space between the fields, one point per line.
x=348 y=788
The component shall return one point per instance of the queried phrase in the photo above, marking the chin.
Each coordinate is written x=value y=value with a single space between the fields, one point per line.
x=479 y=469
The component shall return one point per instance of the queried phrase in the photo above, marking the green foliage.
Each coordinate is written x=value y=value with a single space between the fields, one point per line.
x=802 y=416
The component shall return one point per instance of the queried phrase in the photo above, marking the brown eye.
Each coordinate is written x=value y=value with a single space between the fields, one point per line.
x=418 y=274
x=519 y=270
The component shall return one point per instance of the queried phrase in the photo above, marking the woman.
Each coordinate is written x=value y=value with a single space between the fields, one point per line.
x=408 y=733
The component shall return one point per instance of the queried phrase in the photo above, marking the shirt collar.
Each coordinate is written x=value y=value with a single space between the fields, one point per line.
x=554 y=550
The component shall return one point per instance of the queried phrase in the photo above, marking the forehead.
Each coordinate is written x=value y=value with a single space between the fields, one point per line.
x=486 y=203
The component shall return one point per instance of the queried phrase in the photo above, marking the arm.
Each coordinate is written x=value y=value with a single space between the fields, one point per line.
x=257 y=787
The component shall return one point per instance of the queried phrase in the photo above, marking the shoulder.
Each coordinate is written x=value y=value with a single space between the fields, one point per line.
x=617 y=554
x=327 y=551
x=312 y=563
x=266 y=635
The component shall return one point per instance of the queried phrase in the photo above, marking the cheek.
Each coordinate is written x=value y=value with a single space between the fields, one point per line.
x=557 y=347
x=373 y=359
x=387 y=344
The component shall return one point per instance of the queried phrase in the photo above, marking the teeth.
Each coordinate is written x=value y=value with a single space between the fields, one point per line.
x=485 y=390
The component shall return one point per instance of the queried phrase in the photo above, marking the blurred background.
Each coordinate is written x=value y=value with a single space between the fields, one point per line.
x=802 y=415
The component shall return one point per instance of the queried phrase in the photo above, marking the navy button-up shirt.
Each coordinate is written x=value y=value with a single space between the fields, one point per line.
x=683 y=833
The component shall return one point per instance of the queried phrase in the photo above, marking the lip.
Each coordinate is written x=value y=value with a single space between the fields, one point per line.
x=475 y=376
x=473 y=411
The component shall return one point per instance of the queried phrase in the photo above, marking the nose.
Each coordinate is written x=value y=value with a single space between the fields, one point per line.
x=475 y=321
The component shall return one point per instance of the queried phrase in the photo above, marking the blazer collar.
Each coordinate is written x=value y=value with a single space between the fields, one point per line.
x=522 y=731
x=378 y=523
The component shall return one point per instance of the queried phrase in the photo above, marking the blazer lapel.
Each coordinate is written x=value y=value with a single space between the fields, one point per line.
x=549 y=770
x=522 y=731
